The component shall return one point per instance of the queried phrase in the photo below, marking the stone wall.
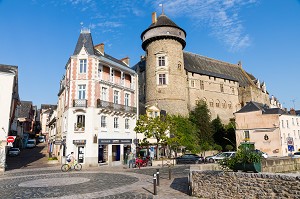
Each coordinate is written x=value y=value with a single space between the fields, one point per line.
x=284 y=164
x=218 y=184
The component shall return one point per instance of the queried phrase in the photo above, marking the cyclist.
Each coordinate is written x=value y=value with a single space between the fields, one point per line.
x=70 y=159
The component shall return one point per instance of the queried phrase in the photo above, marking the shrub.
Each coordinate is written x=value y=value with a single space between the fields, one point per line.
x=229 y=148
x=243 y=156
x=53 y=158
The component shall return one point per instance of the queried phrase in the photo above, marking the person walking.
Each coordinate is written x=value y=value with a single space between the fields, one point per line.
x=130 y=159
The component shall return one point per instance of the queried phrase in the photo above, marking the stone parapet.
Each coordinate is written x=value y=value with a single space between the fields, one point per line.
x=219 y=184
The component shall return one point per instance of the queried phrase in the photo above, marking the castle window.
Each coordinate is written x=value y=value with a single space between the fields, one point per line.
x=232 y=90
x=222 y=88
x=162 y=79
x=224 y=104
x=179 y=66
x=217 y=103
x=201 y=85
x=161 y=61
x=193 y=83
x=179 y=33
x=211 y=104
x=215 y=78
x=230 y=105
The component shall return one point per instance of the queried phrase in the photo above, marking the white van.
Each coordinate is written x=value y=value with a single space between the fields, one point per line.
x=31 y=143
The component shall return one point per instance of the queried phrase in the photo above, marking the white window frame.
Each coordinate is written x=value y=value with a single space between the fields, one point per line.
x=161 y=61
x=126 y=99
x=81 y=91
x=116 y=97
x=116 y=123
x=100 y=70
x=127 y=124
x=82 y=65
x=160 y=79
x=103 y=121
x=104 y=93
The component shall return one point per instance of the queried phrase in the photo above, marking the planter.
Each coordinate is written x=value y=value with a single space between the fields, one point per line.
x=253 y=167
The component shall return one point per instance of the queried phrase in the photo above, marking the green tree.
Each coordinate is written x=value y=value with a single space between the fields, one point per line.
x=183 y=133
x=218 y=132
x=200 y=116
x=154 y=127
x=230 y=134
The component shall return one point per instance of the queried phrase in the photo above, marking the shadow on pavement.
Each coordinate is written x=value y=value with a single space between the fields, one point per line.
x=180 y=184
x=27 y=157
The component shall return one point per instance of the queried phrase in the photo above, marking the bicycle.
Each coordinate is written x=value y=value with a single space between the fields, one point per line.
x=76 y=166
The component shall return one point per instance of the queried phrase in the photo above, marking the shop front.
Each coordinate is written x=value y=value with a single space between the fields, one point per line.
x=80 y=150
x=113 y=151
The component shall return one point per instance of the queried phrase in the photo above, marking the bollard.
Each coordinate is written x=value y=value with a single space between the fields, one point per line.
x=154 y=185
x=170 y=173
x=157 y=176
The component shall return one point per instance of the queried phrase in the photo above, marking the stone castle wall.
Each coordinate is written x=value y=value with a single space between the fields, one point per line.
x=173 y=96
x=220 y=102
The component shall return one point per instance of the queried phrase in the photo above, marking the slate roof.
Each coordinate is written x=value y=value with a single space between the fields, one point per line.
x=25 y=109
x=85 y=39
x=48 y=106
x=207 y=66
x=162 y=20
x=255 y=106
x=211 y=67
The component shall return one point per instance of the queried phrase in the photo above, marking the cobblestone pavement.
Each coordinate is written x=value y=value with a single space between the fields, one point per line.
x=101 y=182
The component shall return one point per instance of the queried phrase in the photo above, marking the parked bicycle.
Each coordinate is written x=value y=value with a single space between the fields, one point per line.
x=75 y=165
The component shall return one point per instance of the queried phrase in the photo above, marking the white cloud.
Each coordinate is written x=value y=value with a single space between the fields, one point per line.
x=221 y=16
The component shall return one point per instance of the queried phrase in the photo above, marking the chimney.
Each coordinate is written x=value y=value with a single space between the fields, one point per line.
x=154 y=17
x=100 y=48
x=292 y=111
x=125 y=60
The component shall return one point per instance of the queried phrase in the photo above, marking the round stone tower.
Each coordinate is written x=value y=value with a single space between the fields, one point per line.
x=165 y=77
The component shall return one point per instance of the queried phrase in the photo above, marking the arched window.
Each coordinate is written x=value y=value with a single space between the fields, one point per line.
x=211 y=103
x=217 y=103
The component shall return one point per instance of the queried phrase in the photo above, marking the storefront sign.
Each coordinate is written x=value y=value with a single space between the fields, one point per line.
x=115 y=141
x=79 y=142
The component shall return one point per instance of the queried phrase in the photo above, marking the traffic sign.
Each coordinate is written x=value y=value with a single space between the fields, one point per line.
x=10 y=139
x=291 y=148
x=290 y=141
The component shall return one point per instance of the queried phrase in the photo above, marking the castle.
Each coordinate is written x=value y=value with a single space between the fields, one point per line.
x=174 y=80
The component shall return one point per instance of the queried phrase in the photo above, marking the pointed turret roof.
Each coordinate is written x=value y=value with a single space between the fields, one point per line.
x=85 y=39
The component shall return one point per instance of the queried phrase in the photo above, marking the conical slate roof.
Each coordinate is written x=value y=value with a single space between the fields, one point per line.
x=85 y=39
x=161 y=21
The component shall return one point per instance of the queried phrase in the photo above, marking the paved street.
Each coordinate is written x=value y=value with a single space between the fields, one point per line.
x=100 y=182
x=29 y=176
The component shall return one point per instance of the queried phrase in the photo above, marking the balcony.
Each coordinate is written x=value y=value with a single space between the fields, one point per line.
x=115 y=107
x=80 y=103
x=118 y=83
x=79 y=127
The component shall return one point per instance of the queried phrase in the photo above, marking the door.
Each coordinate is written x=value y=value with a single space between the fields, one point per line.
x=80 y=154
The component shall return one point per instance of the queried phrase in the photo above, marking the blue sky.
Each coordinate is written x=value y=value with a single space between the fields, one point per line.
x=40 y=35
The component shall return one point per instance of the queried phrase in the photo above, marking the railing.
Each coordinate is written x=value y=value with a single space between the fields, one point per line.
x=116 y=107
x=78 y=127
x=80 y=103
x=120 y=83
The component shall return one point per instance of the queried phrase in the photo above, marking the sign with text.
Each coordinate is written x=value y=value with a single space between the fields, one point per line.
x=115 y=141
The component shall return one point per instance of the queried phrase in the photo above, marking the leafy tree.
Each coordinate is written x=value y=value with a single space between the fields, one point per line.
x=228 y=148
x=200 y=116
x=218 y=132
x=183 y=133
x=230 y=134
x=153 y=127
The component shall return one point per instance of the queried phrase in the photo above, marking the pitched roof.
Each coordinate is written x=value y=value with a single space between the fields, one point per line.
x=25 y=109
x=207 y=66
x=255 y=106
x=85 y=40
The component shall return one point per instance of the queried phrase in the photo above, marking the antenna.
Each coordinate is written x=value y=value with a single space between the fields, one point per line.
x=293 y=100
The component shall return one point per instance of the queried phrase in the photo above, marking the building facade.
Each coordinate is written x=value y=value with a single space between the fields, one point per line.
x=270 y=130
x=176 y=80
x=98 y=97
x=9 y=100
